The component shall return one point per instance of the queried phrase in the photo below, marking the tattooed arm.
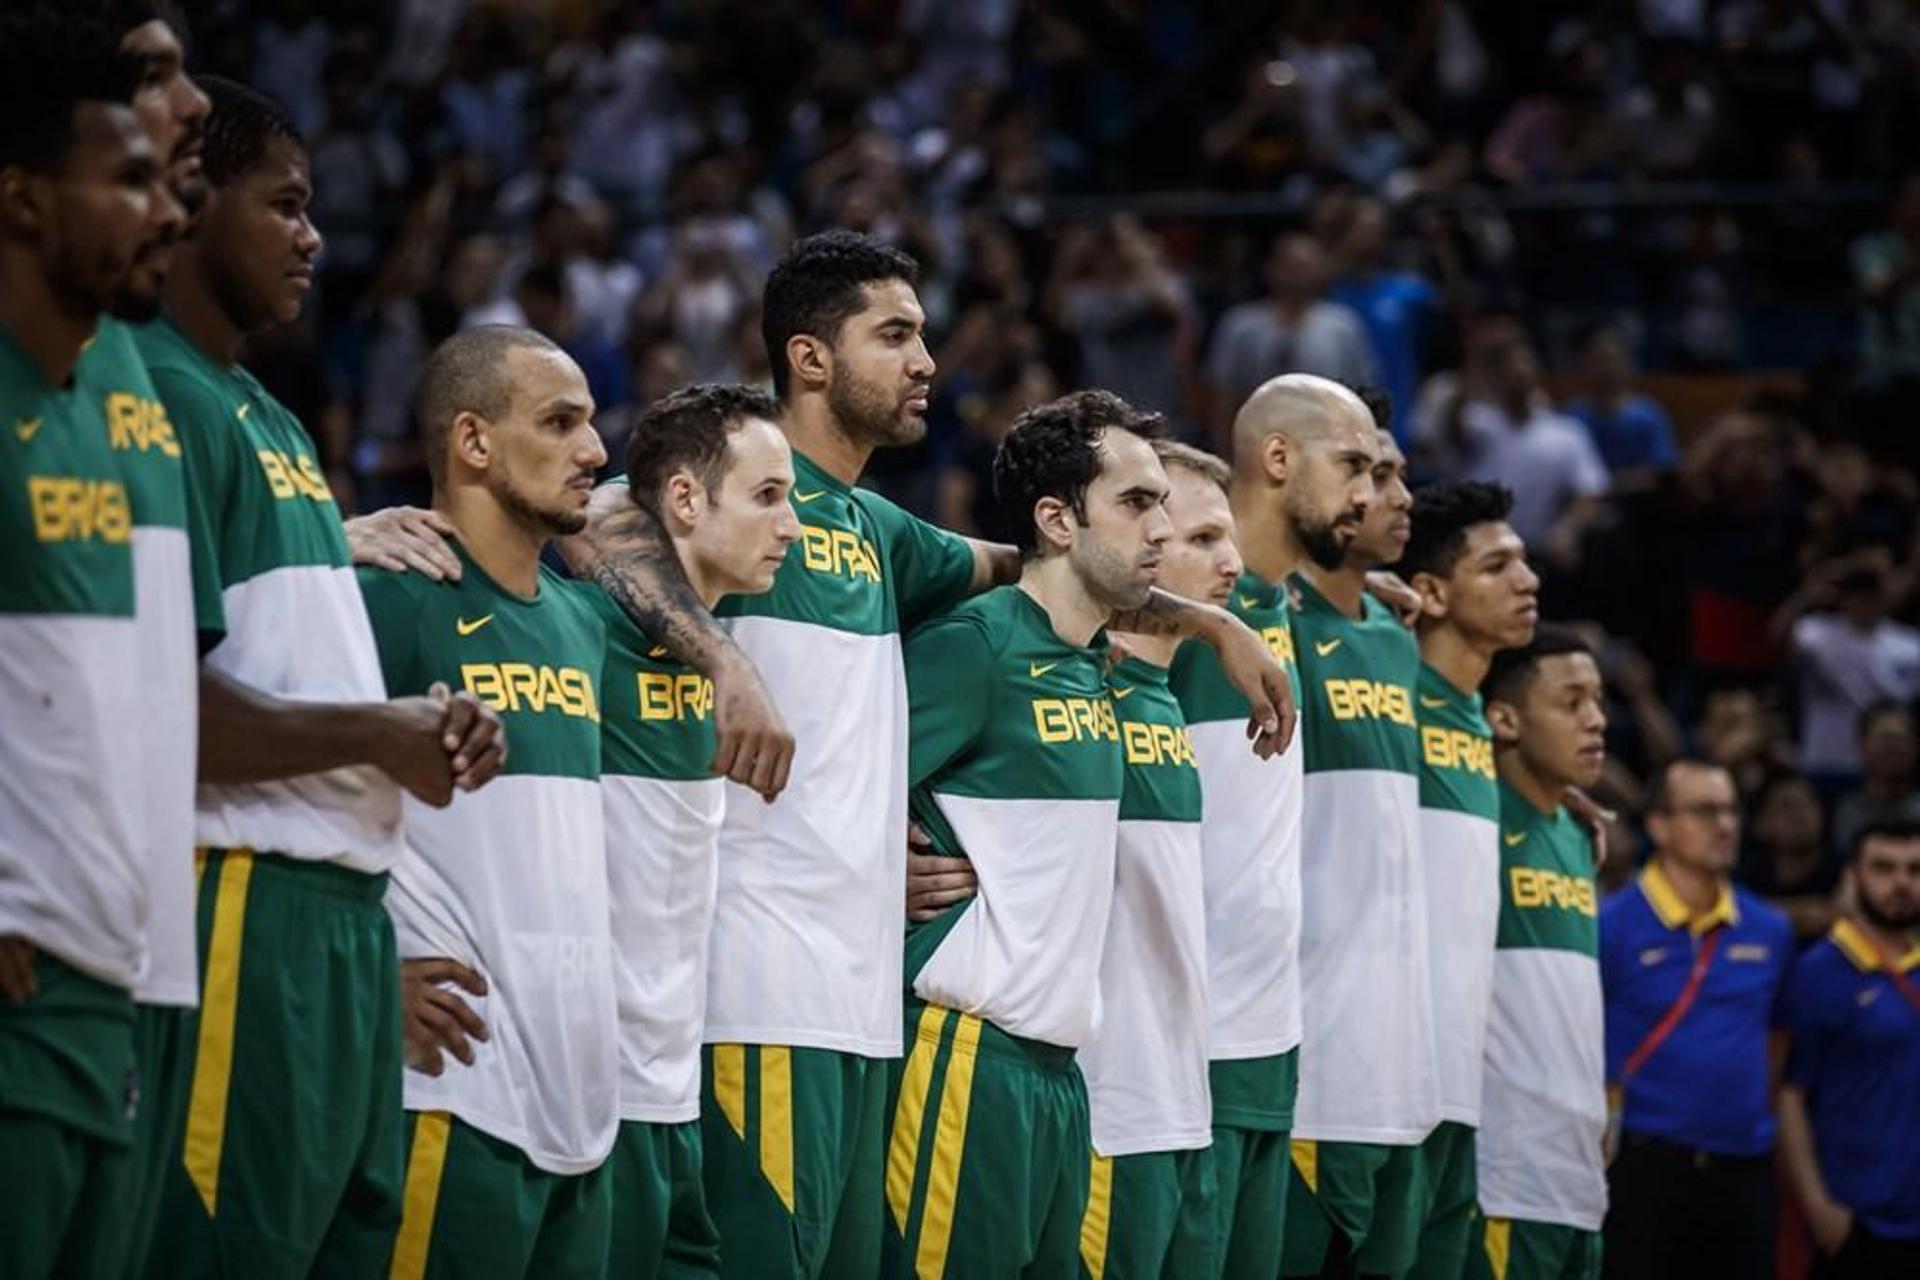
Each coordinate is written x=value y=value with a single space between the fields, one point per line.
x=627 y=552
x=1244 y=656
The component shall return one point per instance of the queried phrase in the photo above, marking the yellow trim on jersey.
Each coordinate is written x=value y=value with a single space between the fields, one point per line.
x=776 y=1120
x=1098 y=1217
x=213 y=1055
x=949 y=1145
x=1673 y=911
x=426 y=1162
x=1856 y=946
x=730 y=1084
x=903 y=1147
x=1306 y=1158
x=1499 y=1246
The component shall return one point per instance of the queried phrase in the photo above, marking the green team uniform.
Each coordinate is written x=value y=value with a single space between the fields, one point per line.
x=663 y=827
x=1146 y=1064
x=803 y=993
x=1542 y=1187
x=1016 y=764
x=1369 y=1092
x=74 y=870
x=1250 y=839
x=505 y=1165
x=297 y=1042
x=1460 y=844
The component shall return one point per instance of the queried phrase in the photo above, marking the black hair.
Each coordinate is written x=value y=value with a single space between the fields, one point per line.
x=51 y=61
x=1442 y=514
x=1660 y=790
x=1379 y=402
x=688 y=430
x=242 y=126
x=544 y=278
x=468 y=373
x=1883 y=829
x=1513 y=669
x=817 y=284
x=1053 y=451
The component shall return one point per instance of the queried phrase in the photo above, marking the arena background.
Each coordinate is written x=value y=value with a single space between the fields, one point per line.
x=1699 y=218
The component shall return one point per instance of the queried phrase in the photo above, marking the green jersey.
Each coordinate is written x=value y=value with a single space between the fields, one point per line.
x=1544 y=1117
x=295 y=624
x=1459 y=842
x=1367 y=1062
x=1146 y=1064
x=663 y=810
x=1016 y=763
x=1251 y=841
x=511 y=879
x=74 y=869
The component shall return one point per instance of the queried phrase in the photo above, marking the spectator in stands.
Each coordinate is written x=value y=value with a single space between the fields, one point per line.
x=1399 y=308
x=1667 y=124
x=1631 y=431
x=1886 y=267
x=1692 y=966
x=1889 y=761
x=1848 y=656
x=1294 y=329
x=1850 y=1105
x=1786 y=859
x=1130 y=316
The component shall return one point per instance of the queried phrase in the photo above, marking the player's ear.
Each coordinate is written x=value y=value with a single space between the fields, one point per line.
x=1053 y=518
x=1504 y=720
x=468 y=440
x=1277 y=458
x=809 y=361
x=684 y=496
x=21 y=213
x=1433 y=595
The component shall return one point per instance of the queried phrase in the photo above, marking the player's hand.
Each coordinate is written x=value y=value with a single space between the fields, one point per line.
x=1252 y=669
x=473 y=736
x=934 y=881
x=1393 y=591
x=18 y=982
x=1595 y=818
x=433 y=1017
x=756 y=748
x=405 y=539
x=409 y=747
x=1831 y=1224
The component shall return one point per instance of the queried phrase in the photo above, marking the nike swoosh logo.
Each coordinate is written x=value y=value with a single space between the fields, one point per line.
x=1432 y=704
x=242 y=412
x=1249 y=602
x=658 y=651
x=1118 y=694
x=1652 y=956
x=1323 y=648
x=804 y=498
x=466 y=628
x=1868 y=996
x=27 y=429
x=1037 y=669
x=1516 y=838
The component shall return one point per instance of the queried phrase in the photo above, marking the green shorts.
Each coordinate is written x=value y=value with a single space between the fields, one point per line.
x=661 y=1226
x=987 y=1164
x=293 y=1148
x=793 y=1141
x=1515 y=1249
x=1360 y=1197
x=68 y=1084
x=1236 y=1231
x=1449 y=1187
x=476 y=1206
x=1134 y=1205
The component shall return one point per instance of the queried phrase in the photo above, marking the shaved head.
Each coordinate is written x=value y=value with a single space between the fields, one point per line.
x=1305 y=408
x=469 y=373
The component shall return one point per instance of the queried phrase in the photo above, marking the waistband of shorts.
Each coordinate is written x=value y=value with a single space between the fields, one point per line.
x=932 y=1023
x=328 y=878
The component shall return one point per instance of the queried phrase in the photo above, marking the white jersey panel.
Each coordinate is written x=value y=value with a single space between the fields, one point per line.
x=1462 y=856
x=170 y=744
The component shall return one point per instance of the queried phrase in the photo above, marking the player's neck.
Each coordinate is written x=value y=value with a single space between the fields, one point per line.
x=698 y=578
x=812 y=429
x=1459 y=661
x=1054 y=585
x=1345 y=588
x=1266 y=539
x=1545 y=795
x=1698 y=889
x=194 y=308
x=504 y=547
x=51 y=336
x=1154 y=650
x=1892 y=943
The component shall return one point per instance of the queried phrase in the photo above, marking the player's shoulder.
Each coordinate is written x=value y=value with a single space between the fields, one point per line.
x=1765 y=917
x=395 y=587
x=1821 y=964
x=992 y=620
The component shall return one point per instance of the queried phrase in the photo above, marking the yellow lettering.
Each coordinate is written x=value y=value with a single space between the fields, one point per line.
x=1279 y=642
x=296 y=477
x=1536 y=887
x=517 y=686
x=136 y=423
x=70 y=509
x=1359 y=698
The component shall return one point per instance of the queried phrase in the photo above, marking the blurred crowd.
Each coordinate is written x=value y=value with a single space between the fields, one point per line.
x=1568 y=240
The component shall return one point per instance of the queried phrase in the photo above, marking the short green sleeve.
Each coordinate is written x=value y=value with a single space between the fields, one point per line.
x=932 y=568
x=393 y=608
x=209 y=613
x=949 y=692
x=211 y=448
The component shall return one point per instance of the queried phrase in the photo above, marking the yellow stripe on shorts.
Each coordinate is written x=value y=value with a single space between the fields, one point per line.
x=949 y=1144
x=1499 y=1246
x=1099 y=1214
x=1306 y=1158
x=730 y=1084
x=776 y=1120
x=425 y=1163
x=903 y=1148
x=213 y=1056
